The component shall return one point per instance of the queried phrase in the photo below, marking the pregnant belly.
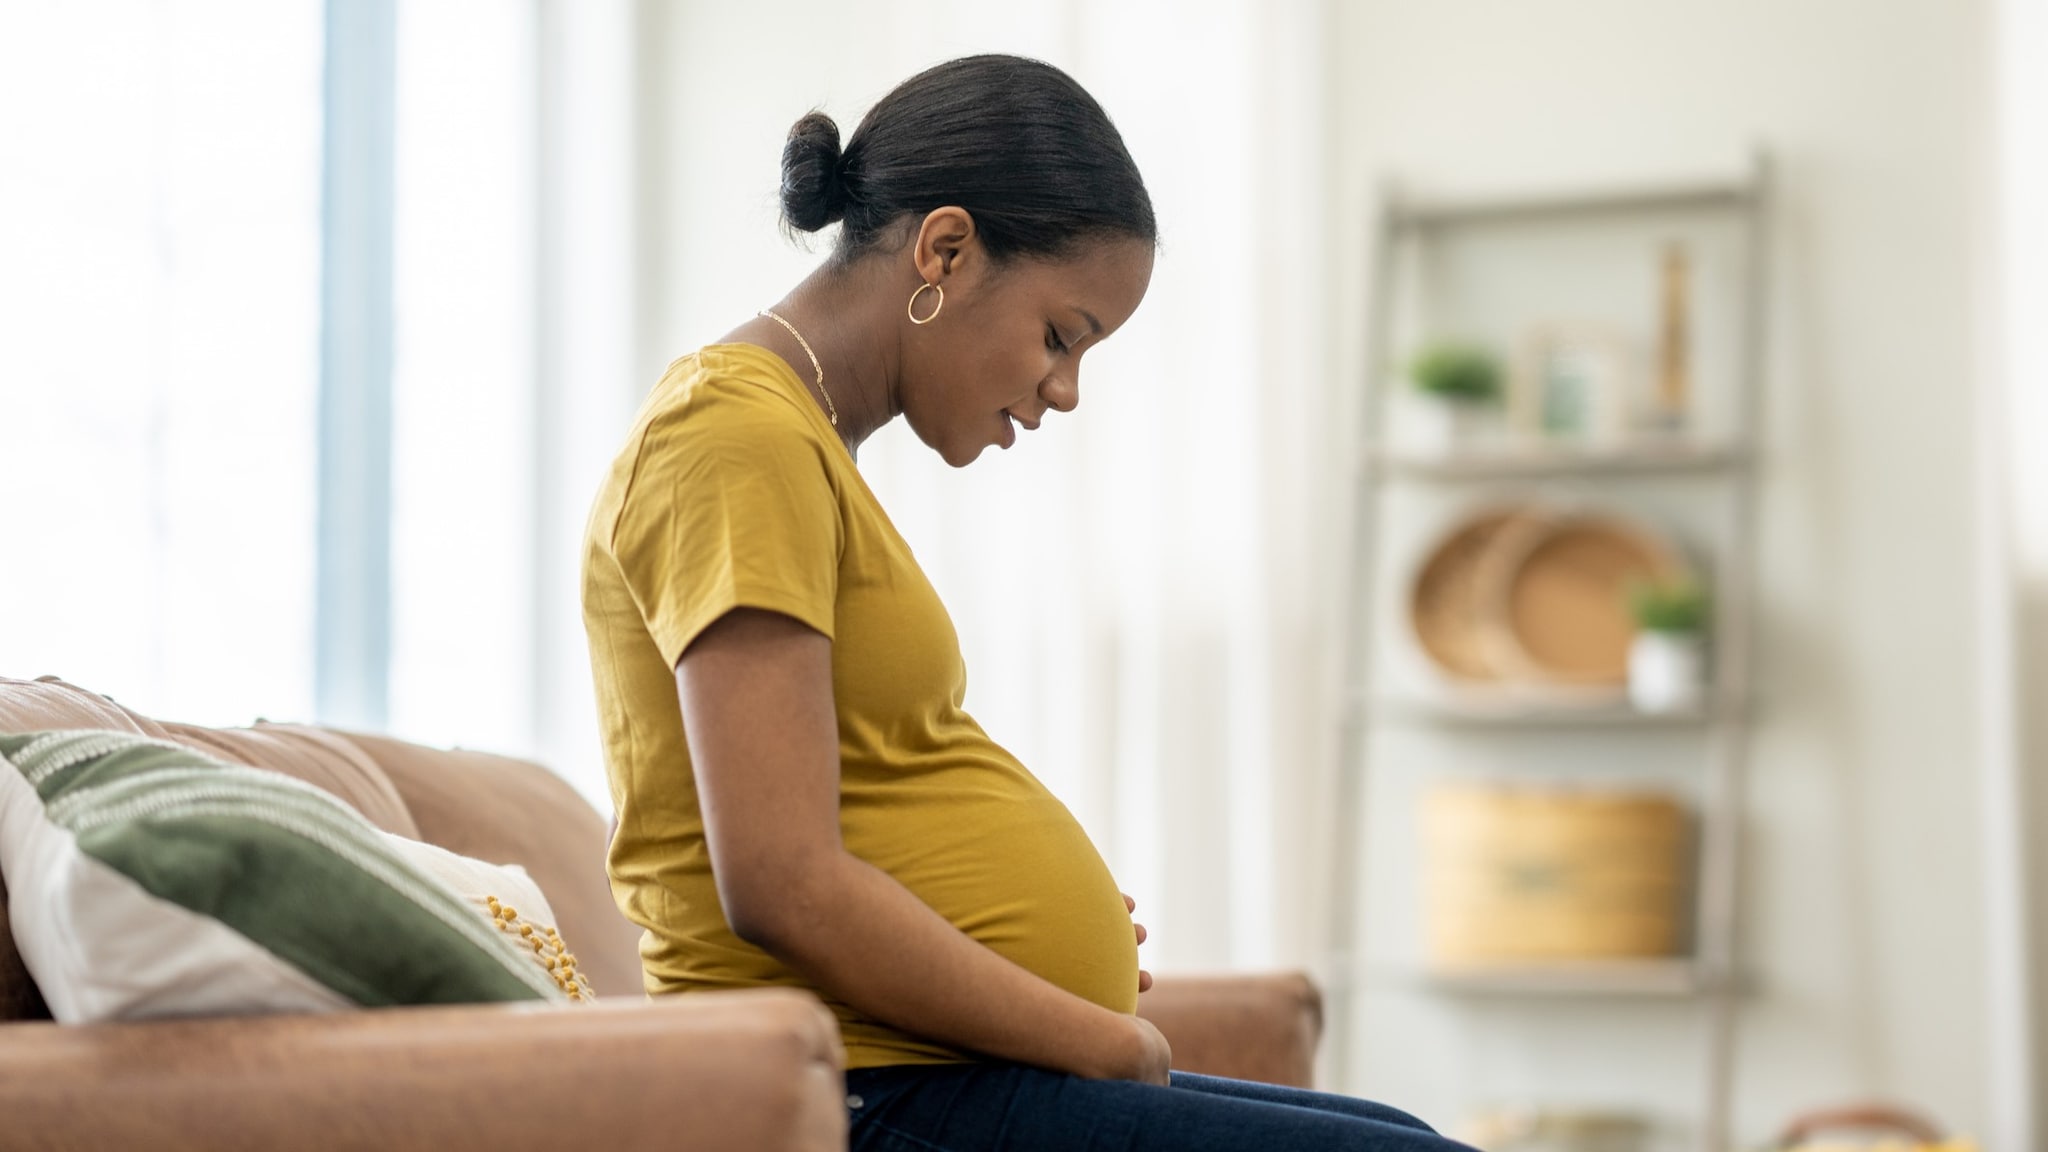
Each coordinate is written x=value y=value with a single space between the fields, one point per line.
x=1005 y=862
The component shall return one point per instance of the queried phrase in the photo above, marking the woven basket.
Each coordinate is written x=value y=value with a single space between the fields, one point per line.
x=1526 y=874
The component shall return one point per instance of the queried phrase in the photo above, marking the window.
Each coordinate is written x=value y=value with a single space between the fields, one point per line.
x=463 y=437
x=161 y=208
x=159 y=328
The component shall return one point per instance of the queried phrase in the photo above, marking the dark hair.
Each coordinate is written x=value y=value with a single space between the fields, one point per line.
x=1016 y=142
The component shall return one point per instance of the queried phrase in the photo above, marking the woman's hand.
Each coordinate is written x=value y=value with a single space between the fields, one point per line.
x=1155 y=1058
x=1133 y=1050
x=1144 y=977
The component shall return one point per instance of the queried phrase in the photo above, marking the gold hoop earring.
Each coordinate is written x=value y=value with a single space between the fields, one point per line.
x=911 y=309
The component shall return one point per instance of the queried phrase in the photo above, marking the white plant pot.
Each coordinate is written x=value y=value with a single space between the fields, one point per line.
x=1667 y=671
x=1441 y=425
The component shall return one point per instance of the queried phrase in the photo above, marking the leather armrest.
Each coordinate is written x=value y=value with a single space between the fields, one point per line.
x=1248 y=1027
x=734 y=1070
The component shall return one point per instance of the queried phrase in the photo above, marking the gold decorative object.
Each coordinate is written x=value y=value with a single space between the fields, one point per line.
x=547 y=947
x=1674 y=377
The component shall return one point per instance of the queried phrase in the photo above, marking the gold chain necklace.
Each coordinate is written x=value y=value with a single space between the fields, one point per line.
x=831 y=413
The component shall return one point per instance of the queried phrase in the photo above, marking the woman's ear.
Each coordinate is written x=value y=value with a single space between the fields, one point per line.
x=947 y=244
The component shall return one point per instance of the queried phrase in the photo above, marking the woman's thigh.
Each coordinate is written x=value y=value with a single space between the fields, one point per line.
x=1012 y=1108
x=1299 y=1098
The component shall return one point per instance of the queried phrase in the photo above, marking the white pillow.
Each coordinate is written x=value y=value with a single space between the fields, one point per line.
x=510 y=900
x=147 y=879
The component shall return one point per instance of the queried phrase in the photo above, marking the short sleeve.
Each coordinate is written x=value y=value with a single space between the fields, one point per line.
x=730 y=506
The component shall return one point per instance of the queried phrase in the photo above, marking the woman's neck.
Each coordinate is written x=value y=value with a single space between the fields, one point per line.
x=847 y=317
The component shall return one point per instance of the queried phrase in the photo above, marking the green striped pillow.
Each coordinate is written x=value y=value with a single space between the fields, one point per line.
x=147 y=879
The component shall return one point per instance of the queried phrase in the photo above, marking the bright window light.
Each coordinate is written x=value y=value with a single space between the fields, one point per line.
x=462 y=547
x=159 y=324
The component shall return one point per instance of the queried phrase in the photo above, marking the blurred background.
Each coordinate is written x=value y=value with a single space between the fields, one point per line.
x=320 y=320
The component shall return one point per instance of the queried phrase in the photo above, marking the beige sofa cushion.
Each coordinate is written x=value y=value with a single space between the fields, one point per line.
x=318 y=757
x=33 y=705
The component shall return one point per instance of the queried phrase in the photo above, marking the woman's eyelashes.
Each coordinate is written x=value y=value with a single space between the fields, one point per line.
x=1053 y=341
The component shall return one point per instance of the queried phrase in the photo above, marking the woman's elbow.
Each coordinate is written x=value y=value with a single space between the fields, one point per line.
x=756 y=922
x=767 y=905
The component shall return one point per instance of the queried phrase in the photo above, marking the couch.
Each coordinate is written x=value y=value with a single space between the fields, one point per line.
x=726 y=1071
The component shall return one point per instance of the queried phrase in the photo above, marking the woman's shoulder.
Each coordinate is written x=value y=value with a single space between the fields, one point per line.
x=746 y=375
x=722 y=389
x=733 y=403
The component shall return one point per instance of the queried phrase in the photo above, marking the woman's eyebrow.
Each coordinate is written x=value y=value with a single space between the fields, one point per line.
x=1094 y=325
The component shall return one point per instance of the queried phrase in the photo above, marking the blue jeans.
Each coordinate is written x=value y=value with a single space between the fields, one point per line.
x=1014 y=1108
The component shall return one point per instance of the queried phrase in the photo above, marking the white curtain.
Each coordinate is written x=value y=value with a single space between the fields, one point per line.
x=1138 y=586
x=515 y=380
x=464 y=250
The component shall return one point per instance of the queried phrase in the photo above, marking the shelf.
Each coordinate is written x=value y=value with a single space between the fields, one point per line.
x=1493 y=262
x=1429 y=212
x=1601 y=710
x=1649 y=457
x=1679 y=977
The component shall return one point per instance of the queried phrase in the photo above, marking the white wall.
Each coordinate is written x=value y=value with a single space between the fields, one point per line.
x=2019 y=255
x=1865 y=933
x=1865 y=922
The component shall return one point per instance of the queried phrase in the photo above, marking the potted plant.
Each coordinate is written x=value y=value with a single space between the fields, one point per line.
x=1459 y=383
x=1667 y=658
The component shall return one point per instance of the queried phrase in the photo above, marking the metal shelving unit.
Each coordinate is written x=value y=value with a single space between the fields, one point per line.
x=1518 y=712
x=1724 y=465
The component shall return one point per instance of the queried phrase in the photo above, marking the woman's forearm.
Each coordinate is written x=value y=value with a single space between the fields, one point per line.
x=858 y=934
x=758 y=711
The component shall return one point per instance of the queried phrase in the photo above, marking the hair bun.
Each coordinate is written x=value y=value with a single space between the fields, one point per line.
x=812 y=195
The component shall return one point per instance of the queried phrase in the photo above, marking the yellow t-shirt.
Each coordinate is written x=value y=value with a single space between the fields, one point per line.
x=733 y=491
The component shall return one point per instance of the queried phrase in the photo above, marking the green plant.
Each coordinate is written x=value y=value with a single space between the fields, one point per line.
x=1456 y=370
x=1677 y=605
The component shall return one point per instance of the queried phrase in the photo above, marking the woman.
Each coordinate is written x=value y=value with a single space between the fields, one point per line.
x=801 y=799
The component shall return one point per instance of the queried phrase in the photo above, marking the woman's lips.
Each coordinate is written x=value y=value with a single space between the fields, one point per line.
x=1009 y=431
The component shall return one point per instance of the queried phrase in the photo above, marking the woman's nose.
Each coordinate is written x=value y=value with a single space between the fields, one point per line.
x=1062 y=394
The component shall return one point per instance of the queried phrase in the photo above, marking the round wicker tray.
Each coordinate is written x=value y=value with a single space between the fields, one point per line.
x=1554 y=593
x=1443 y=600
